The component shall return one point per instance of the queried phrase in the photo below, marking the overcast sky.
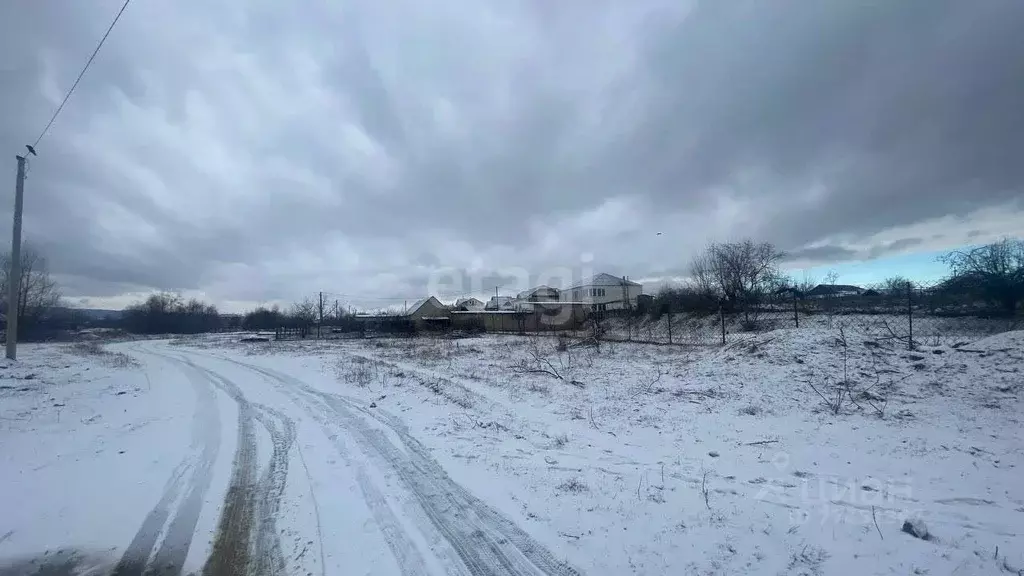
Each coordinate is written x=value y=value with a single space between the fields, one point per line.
x=258 y=150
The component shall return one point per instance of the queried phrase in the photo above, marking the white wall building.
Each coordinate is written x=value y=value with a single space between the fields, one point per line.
x=604 y=292
x=469 y=304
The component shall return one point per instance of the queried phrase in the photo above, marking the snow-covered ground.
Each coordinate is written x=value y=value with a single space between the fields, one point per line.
x=797 y=451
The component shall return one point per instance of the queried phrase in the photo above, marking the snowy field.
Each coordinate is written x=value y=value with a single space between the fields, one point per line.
x=798 y=451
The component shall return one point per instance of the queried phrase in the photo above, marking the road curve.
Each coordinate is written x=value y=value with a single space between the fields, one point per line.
x=430 y=523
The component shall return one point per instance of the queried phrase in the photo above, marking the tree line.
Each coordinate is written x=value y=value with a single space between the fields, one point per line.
x=167 y=313
x=736 y=277
x=741 y=276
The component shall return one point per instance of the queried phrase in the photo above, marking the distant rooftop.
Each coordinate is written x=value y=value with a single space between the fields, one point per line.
x=824 y=289
x=602 y=279
x=534 y=290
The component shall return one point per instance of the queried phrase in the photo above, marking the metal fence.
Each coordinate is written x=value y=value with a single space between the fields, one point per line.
x=910 y=315
x=916 y=314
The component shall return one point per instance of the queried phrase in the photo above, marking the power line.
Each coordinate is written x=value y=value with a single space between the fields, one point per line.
x=82 y=73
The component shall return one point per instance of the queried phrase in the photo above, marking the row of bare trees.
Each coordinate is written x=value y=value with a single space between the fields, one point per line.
x=168 y=313
x=741 y=276
x=303 y=313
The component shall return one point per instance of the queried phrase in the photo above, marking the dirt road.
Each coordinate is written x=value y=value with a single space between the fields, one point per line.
x=428 y=523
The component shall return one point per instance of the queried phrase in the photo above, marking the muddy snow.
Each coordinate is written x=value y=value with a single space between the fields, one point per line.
x=797 y=451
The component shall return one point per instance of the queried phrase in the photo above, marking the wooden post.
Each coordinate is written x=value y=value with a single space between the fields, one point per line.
x=670 y=323
x=721 y=315
x=910 y=315
x=629 y=317
x=796 y=311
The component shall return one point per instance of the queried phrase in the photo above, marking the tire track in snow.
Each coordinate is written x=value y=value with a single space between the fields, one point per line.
x=247 y=540
x=486 y=541
x=231 y=553
x=268 y=553
x=136 y=556
x=169 y=556
x=408 y=557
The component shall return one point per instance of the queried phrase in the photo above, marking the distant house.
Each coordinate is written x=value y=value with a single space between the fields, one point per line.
x=428 y=307
x=604 y=292
x=500 y=303
x=468 y=304
x=834 y=291
x=427 y=313
x=539 y=294
x=525 y=300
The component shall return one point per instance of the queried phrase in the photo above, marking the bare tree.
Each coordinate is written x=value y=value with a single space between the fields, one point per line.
x=38 y=294
x=895 y=285
x=740 y=273
x=804 y=285
x=304 y=311
x=831 y=278
x=994 y=273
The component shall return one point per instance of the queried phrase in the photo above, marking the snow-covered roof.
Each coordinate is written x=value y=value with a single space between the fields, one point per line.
x=534 y=290
x=602 y=279
x=413 y=307
x=467 y=301
x=826 y=289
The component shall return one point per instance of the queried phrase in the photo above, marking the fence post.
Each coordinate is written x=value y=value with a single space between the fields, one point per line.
x=796 y=311
x=721 y=316
x=910 y=315
x=670 y=324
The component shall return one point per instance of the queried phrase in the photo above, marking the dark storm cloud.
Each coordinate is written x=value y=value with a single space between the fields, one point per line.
x=821 y=253
x=899 y=111
x=879 y=250
x=836 y=253
x=253 y=152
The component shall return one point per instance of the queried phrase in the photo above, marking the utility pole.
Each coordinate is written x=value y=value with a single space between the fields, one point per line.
x=14 y=278
x=321 y=321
